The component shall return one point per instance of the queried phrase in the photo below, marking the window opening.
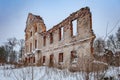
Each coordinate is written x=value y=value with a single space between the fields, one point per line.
x=33 y=59
x=51 y=58
x=74 y=23
x=43 y=59
x=36 y=29
x=60 y=57
x=51 y=38
x=74 y=56
x=61 y=33
x=30 y=47
x=44 y=40
x=35 y=43
x=31 y=33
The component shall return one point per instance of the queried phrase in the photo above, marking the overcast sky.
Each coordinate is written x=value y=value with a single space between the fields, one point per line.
x=13 y=14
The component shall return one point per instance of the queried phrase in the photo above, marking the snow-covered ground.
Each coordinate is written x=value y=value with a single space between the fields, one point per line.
x=45 y=73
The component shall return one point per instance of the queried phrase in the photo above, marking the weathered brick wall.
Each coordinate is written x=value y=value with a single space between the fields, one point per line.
x=81 y=43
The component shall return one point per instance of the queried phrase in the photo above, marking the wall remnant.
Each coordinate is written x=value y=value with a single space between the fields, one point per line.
x=59 y=45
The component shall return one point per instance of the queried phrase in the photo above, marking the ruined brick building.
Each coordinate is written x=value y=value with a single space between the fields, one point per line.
x=59 y=46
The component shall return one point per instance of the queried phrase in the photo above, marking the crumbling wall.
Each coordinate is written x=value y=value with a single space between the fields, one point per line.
x=81 y=42
x=61 y=39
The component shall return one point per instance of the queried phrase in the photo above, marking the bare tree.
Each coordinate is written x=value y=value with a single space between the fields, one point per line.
x=7 y=50
x=99 y=46
x=21 y=43
x=2 y=54
x=113 y=42
x=118 y=38
x=12 y=43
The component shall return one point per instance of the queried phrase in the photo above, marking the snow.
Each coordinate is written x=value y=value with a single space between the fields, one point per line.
x=46 y=73
x=35 y=50
x=40 y=73
x=117 y=50
x=99 y=62
x=113 y=71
